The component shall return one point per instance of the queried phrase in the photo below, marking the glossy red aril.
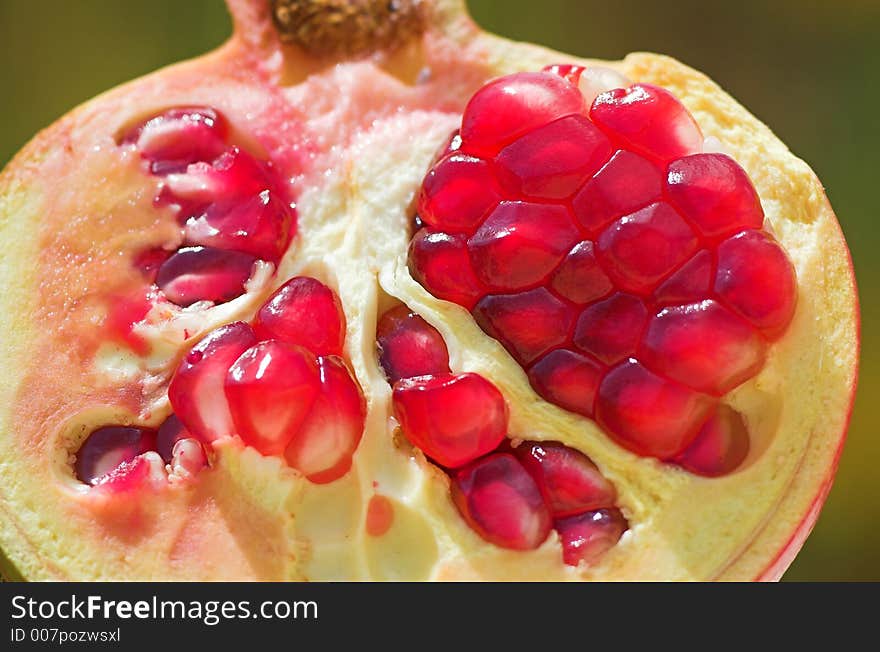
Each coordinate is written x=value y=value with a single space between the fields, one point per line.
x=270 y=389
x=720 y=447
x=178 y=137
x=610 y=329
x=580 y=278
x=568 y=480
x=409 y=346
x=568 y=379
x=107 y=448
x=306 y=312
x=440 y=261
x=196 y=390
x=204 y=274
x=501 y=502
x=452 y=418
x=586 y=537
x=457 y=194
x=692 y=282
x=323 y=446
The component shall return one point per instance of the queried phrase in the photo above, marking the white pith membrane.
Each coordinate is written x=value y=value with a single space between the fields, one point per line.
x=253 y=517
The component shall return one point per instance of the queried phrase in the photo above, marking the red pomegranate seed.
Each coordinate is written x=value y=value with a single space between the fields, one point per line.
x=625 y=184
x=235 y=174
x=520 y=243
x=457 y=194
x=715 y=194
x=501 y=502
x=528 y=324
x=720 y=448
x=649 y=120
x=756 y=279
x=453 y=419
x=568 y=479
x=442 y=264
x=692 y=282
x=567 y=379
x=323 y=447
x=174 y=139
x=586 y=537
x=610 y=329
x=170 y=432
x=107 y=448
x=648 y=414
x=270 y=390
x=702 y=345
x=124 y=311
x=569 y=72
x=196 y=390
x=306 y=312
x=640 y=249
x=579 y=278
x=204 y=274
x=553 y=161
x=133 y=476
x=511 y=106
x=409 y=346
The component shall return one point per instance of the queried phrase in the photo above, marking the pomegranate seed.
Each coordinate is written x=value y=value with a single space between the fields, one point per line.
x=648 y=414
x=204 y=274
x=528 y=324
x=235 y=174
x=588 y=536
x=174 y=139
x=640 y=249
x=501 y=502
x=270 y=389
x=441 y=263
x=702 y=345
x=107 y=448
x=519 y=244
x=323 y=447
x=188 y=458
x=453 y=419
x=756 y=279
x=715 y=194
x=692 y=282
x=567 y=379
x=306 y=312
x=721 y=446
x=409 y=346
x=170 y=432
x=569 y=72
x=147 y=469
x=196 y=390
x=579 y=278
x=625 y=184
x=568 y=479
x=457 y=194
x=610 y=329
x=553 y=161
x=513 y=105
x=649 y=120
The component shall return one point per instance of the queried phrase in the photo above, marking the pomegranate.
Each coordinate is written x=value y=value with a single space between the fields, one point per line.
x=379 y=278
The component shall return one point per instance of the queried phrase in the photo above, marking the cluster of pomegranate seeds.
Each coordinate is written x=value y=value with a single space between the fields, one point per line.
x=624 y=269
x=228 y=203
x=511 y=497
x=281 y=384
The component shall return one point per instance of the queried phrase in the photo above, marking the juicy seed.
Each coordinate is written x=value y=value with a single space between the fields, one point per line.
x=271 y=388
x=204 y=274
x=322 y=448
x=553 y=161
x=586 y=537
x=174 y=139
x=409 y=346
x=610 y=329
x=502 y=503
x=649 y=121
x=721 y=446
x=170 y=432
x=108 y=448
x=196 y=390
x=305 y=312
x=453 y=419
x=568 y=479
x=702 y=345
x=648 y=414
x=692 y=282
x=514 y=105
x=567 y=379
x=519 y=244
x=715 y=194
x=569 y=72
x=457 y=194
x=441 y=262
x=579 y=278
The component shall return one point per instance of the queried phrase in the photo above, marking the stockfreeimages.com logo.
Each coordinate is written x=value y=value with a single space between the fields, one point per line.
x=209 y=612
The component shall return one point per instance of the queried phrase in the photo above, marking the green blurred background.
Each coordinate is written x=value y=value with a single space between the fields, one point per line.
x=808 y=69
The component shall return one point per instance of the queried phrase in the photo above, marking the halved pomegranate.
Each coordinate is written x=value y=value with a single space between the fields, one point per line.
x=605 y=351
